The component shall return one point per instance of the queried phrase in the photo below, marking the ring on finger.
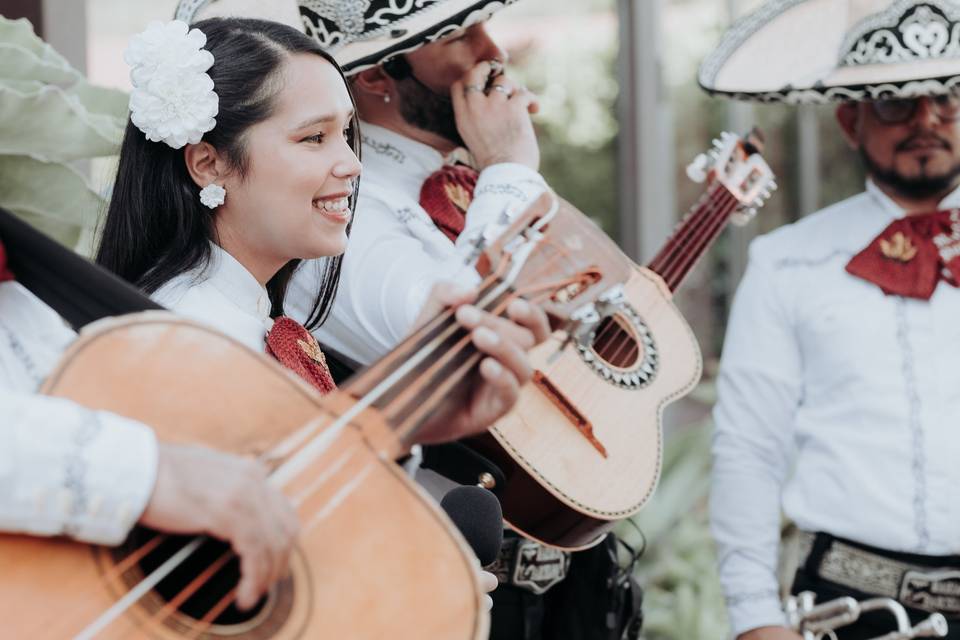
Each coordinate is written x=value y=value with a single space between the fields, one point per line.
x=473 y=87
x=502 y=89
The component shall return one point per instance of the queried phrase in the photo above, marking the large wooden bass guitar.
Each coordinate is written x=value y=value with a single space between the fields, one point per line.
x=582 y=449
x=376 y=557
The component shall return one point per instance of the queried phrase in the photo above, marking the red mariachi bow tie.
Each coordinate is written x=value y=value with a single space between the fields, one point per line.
x=446 y=195
x=297 y=350
x=5 y=273
x=912 y=255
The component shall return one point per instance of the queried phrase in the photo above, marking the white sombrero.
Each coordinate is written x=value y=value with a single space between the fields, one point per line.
x=359 y=33
x=809 y=51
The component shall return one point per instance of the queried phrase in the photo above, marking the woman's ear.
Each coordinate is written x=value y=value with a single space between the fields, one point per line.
x=204 y=164
x=848 y=116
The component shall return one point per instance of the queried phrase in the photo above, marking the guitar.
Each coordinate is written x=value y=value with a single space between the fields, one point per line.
x=376 y=557
x=582 y=449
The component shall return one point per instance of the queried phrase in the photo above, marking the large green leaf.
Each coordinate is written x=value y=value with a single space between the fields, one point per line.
x=53 y=193
x=47 y=109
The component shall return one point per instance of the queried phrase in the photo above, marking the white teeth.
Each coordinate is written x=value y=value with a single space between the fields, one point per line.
x=337 y=205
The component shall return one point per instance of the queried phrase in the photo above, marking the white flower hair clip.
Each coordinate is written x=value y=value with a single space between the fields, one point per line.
x=173 y=100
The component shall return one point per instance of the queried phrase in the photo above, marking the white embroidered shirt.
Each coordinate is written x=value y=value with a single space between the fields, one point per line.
x=837 y=404
x=64 y=470
x=223 y=295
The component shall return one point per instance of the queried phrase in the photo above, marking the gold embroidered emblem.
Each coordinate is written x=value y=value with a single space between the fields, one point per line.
x=458 y=195
x=312 y=349
x=898 y=248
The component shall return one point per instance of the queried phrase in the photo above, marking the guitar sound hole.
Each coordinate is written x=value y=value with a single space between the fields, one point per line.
x=615 y=343
x=205 y=597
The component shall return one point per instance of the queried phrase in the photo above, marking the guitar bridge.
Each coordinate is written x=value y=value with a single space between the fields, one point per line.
x=567 y=409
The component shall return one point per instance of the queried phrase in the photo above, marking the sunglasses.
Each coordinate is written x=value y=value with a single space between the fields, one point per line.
x=900 y=110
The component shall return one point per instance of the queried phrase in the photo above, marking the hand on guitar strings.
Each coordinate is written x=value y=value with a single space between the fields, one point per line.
x=199 y=490
x=504 y=341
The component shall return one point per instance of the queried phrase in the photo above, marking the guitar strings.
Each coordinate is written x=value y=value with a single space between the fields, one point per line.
x=211 y=570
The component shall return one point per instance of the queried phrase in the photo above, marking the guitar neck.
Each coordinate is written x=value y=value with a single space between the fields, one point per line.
x=693 y=236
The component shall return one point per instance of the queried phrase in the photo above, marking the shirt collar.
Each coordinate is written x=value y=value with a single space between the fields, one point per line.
x=405 y=162
x=237 y=284
x=894 y=211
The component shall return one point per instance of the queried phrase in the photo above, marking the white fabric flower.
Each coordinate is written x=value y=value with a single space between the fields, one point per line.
x=173 y=99
x=213 y=195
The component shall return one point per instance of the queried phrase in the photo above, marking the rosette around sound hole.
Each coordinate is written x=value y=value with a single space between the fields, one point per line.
x=621 y=349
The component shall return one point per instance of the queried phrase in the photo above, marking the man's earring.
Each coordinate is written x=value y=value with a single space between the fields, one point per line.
x=213 y=195
x=386 y=98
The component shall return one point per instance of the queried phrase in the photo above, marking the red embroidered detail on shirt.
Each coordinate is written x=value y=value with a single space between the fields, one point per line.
x=445 y=196
x=293 y=347
x=912 y=255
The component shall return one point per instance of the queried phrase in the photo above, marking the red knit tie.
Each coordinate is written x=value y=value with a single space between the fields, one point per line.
x=297 y=350
x=912 y=255
x=445 y=196
x=5 y=273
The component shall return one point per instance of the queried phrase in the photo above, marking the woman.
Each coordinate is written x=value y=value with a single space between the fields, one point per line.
x=283 y=147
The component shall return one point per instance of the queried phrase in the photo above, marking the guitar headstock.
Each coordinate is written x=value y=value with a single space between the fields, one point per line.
x=736 y=164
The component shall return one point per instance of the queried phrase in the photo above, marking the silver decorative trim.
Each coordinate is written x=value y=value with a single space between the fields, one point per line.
x=905 y=32
x=641 y=374
x=919 y=463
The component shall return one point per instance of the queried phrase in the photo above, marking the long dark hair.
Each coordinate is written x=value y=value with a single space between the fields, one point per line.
x=156 y=228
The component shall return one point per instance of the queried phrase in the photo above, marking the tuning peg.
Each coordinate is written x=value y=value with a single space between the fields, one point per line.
x=697 y=170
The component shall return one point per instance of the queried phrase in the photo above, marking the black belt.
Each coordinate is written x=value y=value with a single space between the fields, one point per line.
x=927 y=583
x=529 y=565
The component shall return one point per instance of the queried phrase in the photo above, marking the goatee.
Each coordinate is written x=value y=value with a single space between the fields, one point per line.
x=918 y=187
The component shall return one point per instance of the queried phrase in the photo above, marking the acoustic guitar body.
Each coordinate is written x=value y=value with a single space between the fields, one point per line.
x=582 y=449
x=376 y=558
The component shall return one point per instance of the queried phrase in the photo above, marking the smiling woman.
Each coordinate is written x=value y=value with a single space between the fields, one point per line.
x=283 y=146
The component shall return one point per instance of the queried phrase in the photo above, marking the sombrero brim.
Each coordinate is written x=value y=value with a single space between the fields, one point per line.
x=285 y=11
x=385 y=32
x=790 y=51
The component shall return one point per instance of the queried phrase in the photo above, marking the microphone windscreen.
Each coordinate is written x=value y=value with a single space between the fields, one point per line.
x=476 y=512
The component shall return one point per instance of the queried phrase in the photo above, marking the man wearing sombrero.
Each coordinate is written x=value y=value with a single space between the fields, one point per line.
x=448 y=148
x=839 y=390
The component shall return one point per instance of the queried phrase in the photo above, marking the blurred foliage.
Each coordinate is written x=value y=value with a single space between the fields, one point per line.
x=51 y=119
x=577 y=124
x=682 y=596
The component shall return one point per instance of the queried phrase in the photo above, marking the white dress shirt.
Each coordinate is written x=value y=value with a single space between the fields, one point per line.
x=64 y=470
x=224 y=295
x=396 y=253
x=837 y=403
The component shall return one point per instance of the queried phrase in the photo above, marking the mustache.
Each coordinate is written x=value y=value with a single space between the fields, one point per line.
x=922 y=140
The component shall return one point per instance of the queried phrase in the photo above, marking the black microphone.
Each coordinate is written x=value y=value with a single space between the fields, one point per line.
x=477 y=514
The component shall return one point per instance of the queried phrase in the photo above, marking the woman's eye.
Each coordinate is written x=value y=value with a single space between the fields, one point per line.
x=318 y=138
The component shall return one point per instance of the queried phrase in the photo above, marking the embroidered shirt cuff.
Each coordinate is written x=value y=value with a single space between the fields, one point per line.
x=510 y=181
x=109 y=475
x=754 y=610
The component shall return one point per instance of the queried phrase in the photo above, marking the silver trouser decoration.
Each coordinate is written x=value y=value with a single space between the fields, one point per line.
x=819 y=621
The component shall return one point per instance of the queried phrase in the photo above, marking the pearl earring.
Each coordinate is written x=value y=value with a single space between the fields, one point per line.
x=213 y=195
x=386 y=98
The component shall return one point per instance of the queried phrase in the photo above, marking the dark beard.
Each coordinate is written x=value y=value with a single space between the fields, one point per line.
x=423 y=108
x=918 y=188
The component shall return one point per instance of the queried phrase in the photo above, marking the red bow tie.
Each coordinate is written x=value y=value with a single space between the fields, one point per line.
x=297 y=350
x=5 y=273
x=912 y=255
x=445 y=196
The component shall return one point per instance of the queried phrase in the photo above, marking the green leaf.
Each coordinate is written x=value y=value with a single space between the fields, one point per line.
x=55 y=194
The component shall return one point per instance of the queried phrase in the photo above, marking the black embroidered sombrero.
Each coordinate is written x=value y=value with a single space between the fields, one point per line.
x=359 y=33
x=811 y=51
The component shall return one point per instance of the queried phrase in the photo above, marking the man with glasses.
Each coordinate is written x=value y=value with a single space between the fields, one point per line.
x=839 y=389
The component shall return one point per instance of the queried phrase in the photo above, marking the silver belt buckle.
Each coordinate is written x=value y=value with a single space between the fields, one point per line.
x=933 y=591
x=537 y=568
